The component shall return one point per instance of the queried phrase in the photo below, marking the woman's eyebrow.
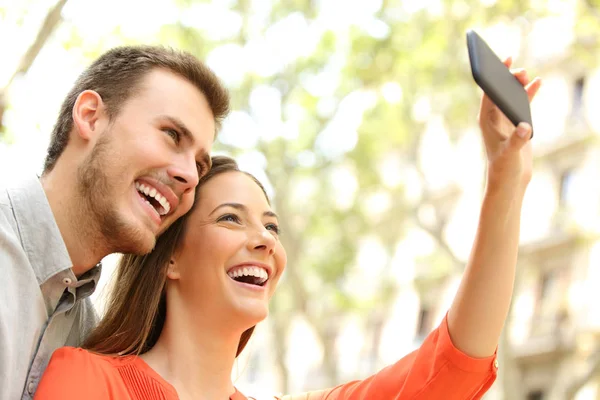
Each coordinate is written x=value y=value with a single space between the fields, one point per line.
x=241 y=207
x=237 y=206
x=270 y=214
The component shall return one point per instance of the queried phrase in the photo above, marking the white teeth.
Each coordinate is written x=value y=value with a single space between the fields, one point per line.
x=258 y=272
x=152 y=192
x=150 y=204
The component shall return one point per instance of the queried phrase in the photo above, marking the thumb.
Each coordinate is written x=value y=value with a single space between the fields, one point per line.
x=520 y=136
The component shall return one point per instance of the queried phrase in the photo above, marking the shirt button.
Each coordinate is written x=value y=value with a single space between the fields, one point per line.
x=496 y=363
x=67 y=281
x=30 y=387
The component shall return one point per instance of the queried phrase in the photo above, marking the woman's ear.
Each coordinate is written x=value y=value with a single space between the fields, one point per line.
x=173 y=270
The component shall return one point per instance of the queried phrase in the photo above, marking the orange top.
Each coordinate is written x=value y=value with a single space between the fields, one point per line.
x=437 y=370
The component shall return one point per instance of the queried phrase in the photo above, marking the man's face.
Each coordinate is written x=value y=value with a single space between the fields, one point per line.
x=141 y=174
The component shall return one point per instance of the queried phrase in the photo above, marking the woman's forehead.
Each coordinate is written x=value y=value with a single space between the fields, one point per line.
x=232 y=187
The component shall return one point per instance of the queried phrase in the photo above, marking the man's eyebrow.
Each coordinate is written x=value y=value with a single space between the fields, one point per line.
x=180 y=126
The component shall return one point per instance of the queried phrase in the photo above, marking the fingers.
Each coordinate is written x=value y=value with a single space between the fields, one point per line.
x=508 y=62
x=521 y=75
x=533 y=87
x=520 y=136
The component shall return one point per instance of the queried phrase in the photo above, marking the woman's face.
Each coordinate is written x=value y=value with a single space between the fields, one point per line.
x=231 y=258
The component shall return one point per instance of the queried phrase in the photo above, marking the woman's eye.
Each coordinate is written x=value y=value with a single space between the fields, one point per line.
x=273 y=227
x=229 y=218
x=173 y=133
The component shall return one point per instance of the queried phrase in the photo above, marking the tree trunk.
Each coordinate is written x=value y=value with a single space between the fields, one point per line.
x=508 y=372
x=592 y=372
x=280 y=321
x=328 y=335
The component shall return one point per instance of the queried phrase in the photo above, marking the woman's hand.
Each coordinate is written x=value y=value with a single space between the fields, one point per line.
x=508 y=148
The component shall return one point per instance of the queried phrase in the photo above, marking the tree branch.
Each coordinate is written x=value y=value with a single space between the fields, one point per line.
x=437 y=234
x=50 y=22
x=593 y=10
x=2 y=108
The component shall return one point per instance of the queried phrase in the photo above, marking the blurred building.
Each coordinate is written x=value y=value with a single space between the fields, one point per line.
x=552 y=349
x=555 y=322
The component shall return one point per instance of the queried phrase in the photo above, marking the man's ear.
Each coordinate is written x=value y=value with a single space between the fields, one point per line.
x=173 y=270
x=88 y=112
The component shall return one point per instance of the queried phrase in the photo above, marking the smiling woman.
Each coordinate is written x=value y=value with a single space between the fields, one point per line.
x=137 y=276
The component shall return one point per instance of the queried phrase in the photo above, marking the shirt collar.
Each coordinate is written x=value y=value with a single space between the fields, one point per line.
x=40 y=236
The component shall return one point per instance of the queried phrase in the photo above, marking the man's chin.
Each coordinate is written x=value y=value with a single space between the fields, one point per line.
x=143 y=250
x=146 y=246
x=166 y=224
x=136 y=241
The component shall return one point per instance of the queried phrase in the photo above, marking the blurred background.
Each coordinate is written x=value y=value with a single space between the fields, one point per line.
x=361 y=119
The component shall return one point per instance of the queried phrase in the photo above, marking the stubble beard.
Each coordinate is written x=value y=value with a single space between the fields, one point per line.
x=100 y=217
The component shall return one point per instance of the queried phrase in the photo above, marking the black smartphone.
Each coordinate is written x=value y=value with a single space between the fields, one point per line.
x=496 y=80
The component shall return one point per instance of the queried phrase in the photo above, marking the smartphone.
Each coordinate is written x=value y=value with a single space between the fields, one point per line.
x=496 y=80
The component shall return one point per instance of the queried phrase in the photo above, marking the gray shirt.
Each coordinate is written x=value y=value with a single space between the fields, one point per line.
x=43 y=306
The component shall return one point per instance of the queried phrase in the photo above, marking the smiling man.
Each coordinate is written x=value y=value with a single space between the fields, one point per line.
x=130 y=143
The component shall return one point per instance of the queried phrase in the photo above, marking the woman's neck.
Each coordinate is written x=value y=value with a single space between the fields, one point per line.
x=196 y=360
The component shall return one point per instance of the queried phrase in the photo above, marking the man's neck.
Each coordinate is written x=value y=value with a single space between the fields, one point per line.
x=195 y=359
x=82 y=239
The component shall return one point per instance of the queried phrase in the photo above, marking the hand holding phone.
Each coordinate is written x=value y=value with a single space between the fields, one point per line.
x=496 y=80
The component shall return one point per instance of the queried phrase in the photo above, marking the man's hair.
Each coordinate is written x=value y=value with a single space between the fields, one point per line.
x=116 y=77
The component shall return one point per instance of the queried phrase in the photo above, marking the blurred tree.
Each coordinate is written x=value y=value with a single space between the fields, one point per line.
x=335 y=99
x=327 y=98
x=52 y=19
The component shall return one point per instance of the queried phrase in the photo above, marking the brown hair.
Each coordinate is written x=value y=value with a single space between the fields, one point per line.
x=137 y=306
x=116 y=75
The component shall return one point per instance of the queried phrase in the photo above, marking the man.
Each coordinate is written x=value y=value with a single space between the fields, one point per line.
x=132 y=138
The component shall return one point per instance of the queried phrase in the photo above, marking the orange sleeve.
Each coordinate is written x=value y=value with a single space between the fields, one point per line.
x=74 y=373
x=437 y=370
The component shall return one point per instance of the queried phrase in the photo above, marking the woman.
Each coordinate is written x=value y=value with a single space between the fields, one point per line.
x=180 y=316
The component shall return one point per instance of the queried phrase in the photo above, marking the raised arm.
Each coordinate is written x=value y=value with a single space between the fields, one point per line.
x=480 y=308
x=456 y=360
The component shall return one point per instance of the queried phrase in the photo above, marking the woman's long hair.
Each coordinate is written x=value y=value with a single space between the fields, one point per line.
x=137 y=305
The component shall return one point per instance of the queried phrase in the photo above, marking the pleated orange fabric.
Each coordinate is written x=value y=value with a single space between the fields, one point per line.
x=437 y=370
